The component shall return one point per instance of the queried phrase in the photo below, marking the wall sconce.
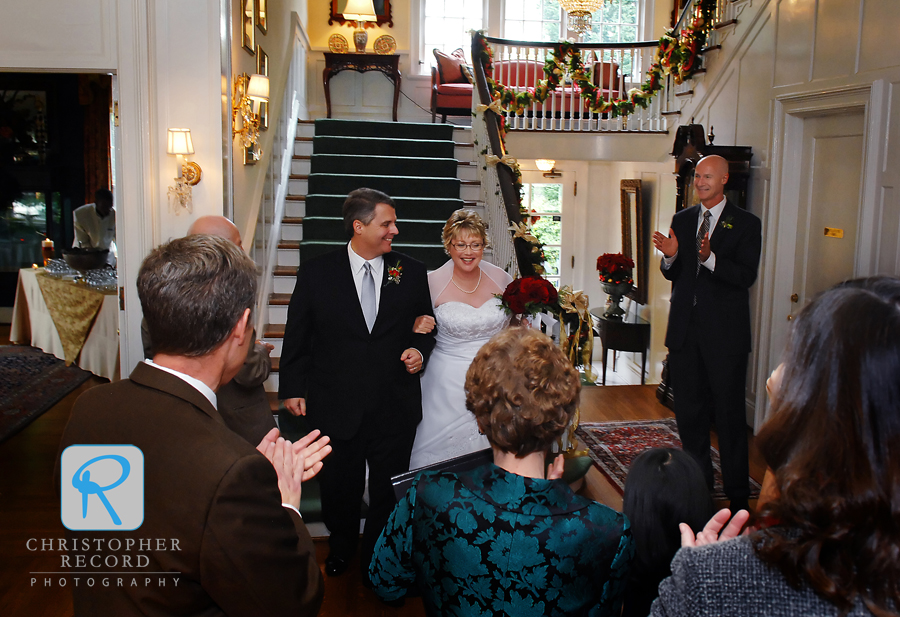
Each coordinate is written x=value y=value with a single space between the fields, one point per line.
x=249 y=92
x=187 y=173
x=360 y=11
x=548 y=166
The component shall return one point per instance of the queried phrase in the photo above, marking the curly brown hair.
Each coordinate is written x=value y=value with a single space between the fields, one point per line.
x=460 y=222
x=834 y=444
x=522 y=390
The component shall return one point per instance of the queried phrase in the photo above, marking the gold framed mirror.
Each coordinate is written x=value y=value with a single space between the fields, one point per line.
x=634 y=242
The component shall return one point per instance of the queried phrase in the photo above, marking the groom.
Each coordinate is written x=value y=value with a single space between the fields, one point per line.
x=351 y=365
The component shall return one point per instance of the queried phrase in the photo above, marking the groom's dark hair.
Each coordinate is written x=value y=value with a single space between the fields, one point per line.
x=360 y=206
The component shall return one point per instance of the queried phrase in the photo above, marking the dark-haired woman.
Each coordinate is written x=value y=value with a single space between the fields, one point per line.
x=830 y=539
x=502 y=539
x=665 y=487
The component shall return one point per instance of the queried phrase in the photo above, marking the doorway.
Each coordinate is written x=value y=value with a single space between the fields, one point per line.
x=550 y=215
x=829 y=204
x=820 y=221
x=54 y=153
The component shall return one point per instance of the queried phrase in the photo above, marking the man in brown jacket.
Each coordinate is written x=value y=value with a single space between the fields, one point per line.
x=220 y=531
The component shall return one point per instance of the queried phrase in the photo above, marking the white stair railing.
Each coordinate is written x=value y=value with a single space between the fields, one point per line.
x=495 y=215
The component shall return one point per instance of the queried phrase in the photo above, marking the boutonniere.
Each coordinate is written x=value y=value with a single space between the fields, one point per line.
x=394 y=273
x=727 y=223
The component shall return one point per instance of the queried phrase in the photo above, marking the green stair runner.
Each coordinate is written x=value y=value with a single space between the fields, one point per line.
x=413 y=163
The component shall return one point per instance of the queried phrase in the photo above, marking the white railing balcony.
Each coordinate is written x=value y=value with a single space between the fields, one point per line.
x=614 y=68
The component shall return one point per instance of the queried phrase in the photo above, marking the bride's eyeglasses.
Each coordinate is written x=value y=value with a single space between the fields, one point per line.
x=475 y=246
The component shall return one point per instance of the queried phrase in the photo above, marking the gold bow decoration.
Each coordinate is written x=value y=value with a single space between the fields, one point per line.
x=577 y=303
x=493 y=159
x=495 y=106
x=523 y=231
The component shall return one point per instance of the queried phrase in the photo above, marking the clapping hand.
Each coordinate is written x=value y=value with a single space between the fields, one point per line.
x=289 y=469
x=310 y=449
x=704 y=248
x=556 y=468
x=667 y=245
x=711 y=532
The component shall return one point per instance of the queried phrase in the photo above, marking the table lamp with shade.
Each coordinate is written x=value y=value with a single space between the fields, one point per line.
x=360 y=11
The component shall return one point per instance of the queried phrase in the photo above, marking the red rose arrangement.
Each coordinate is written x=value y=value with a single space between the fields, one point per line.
x=615 y=268
x=530 y=295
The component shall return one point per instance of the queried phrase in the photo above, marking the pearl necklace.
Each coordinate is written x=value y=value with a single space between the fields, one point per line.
x=480 y=272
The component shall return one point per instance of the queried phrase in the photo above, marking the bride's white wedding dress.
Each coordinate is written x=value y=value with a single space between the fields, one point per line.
x=448 y=429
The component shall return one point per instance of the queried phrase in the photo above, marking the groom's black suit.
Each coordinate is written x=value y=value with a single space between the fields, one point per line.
x=709 y=342
x=357 y=390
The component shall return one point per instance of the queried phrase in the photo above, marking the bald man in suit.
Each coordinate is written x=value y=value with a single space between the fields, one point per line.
x=711 y=254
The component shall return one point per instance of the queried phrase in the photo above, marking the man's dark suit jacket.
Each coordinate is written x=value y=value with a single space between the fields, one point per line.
x=241 y=552
x=332 y=360
x=723 y=299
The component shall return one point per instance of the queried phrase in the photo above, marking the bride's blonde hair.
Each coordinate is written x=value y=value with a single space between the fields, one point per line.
x=463 y=221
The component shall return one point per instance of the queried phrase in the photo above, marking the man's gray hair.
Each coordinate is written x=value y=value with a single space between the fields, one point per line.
x=193 y=291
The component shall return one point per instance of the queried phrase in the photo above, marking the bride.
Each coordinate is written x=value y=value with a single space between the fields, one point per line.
x=467 y=316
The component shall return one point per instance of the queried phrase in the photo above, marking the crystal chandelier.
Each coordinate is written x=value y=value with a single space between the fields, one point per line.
x=579 y=12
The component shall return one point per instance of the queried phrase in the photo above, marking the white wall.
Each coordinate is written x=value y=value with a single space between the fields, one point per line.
x=53 y=35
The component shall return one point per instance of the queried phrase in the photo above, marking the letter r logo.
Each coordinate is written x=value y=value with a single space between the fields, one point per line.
x=102 y=487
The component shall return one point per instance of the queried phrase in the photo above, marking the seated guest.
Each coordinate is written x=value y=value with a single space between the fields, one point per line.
x=665 y=487
x=237 y=545
x=243 y=403
x=503 y=538
x=95 y=224
x=830 y=532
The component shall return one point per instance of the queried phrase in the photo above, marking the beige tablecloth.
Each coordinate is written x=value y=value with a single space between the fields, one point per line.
x=33 y=325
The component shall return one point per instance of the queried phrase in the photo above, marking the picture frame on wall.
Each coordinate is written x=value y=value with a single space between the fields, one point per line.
x=262 y=68
x=262 y=15
x=248 y=30
x=251 y=155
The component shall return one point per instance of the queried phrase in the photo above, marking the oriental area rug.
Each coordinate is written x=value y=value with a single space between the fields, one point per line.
x=31 y=382
x=614 y=445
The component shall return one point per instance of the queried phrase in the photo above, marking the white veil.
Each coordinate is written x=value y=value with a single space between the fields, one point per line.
x=439 y=279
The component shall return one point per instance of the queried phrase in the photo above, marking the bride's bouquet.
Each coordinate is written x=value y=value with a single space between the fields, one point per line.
x=529 y=295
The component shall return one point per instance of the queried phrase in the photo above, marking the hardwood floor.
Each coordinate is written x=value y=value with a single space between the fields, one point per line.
x=29 y=507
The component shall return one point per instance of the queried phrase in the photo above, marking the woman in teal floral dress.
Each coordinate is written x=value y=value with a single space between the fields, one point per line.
x=503 y=538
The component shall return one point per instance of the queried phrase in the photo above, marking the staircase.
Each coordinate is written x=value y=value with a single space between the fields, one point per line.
x=428 y=169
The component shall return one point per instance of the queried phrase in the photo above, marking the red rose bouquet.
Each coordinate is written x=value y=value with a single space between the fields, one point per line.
x=530 y=295
x=615 y=268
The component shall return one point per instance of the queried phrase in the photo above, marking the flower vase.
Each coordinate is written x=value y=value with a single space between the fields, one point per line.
x=616 y=291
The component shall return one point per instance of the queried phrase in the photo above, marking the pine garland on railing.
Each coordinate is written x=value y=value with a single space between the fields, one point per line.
x=677 y=55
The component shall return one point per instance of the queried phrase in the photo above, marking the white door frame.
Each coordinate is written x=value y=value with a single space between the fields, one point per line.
x=780 y=226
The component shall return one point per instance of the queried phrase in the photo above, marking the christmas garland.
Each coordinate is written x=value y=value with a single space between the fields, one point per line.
x=678 y=56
